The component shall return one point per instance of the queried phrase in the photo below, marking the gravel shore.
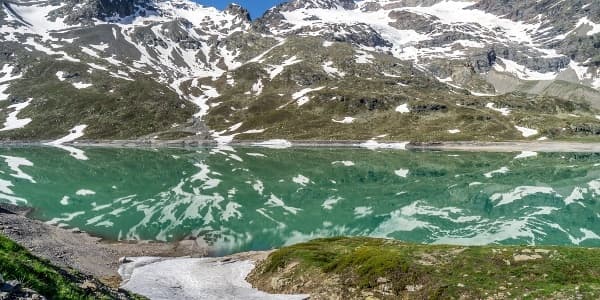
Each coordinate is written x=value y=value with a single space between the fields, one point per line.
x=507 y=146
x=80 y=251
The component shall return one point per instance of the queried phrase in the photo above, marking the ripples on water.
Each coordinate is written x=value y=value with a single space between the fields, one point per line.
x=255 y=198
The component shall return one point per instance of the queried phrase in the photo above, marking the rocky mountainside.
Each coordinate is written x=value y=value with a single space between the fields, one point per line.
x=423 y=70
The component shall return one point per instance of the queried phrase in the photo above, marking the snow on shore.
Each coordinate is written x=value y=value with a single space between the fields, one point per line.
x=75 y=133
x=274 y=144
x=193 y=279
x=374 y=145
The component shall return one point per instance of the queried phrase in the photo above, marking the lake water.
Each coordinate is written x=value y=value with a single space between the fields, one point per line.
x=241 y=199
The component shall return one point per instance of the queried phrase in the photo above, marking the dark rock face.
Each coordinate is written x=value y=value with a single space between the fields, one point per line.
x=428 y=108
x=371 y=6
x=491 y=57
x=237 y=10
x=356 y=34
x=585 y=129
x=103 y=10
x=13 y=289
x=407 y=20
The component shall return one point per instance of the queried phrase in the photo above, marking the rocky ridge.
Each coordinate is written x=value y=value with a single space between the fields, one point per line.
x=308 y=69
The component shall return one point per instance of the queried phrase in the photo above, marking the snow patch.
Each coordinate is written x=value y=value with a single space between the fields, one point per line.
x=257 y=88
x=505 y=111
x=403 y=109
x=374 y=145
x=12 y=121
x=527 y=132
x=301 y=97
x=274 y=144
x=346 y=120
x=276 y=70
x=81 y=85
x=75 y=133
x=331 y=70
x=193 y=279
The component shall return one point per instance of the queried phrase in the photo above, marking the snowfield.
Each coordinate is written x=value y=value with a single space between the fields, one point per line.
x=193 y=279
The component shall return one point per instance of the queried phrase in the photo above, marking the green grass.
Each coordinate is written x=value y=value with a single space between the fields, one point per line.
x=16 y=263
x=442 y=272
x=371 y=98
x=112 y=108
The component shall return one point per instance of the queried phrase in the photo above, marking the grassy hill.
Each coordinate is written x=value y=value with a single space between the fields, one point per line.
x=359 y=268
x=16 y=263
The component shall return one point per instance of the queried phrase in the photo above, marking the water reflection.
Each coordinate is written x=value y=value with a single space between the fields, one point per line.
x=255 y=198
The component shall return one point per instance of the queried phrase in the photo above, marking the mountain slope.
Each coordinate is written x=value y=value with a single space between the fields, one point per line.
x=308 y=69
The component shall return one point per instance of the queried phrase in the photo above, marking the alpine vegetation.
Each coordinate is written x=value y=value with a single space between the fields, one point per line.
x=306 y=70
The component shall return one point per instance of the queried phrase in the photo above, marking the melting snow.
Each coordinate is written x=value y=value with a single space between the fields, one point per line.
x=8 y=76
x=75 y=133
x=503 y=110
x=12 y=121
x=346 y=120
x=81 y=85
x=403 y=108
x=257 y=88
x=527 y=132
x=192 y=278
x=274 y=144
x=60 y=75
x=301 y=98
x=363 y=57
x=374 y=145
x=594 y=27
x=331 y=70
x=276 y=70
x=522 y=72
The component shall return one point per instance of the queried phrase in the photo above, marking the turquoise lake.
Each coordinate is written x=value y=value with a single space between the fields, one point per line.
x=240 y=199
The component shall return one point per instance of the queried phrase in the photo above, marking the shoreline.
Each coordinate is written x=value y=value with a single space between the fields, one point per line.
x=181 y=269
x=71 y=248
x=468 y=146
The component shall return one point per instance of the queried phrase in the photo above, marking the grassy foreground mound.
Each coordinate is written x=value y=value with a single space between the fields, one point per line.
x=16 y=263
x=365 y=268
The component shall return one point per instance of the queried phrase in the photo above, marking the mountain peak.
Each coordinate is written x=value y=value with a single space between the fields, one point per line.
x=237 y=10
x=88 y=10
